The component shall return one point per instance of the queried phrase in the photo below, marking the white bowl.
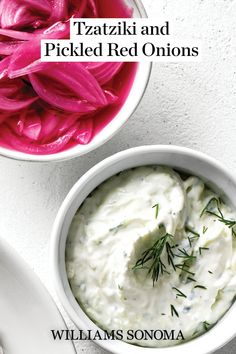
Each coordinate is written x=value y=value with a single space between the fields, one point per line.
x=183 y=159
x=136 y=93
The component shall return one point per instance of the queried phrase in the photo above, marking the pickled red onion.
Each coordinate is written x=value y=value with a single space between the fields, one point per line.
x=48 y=107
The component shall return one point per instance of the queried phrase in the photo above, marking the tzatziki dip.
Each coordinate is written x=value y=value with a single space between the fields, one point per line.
x=151 y=249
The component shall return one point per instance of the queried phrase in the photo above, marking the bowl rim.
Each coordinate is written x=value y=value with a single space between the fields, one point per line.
x=206 y=343
x=136 y=93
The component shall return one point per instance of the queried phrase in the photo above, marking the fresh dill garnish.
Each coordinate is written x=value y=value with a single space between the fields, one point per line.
x=153 y=255
x=209 y=271
x=190 y=242
x=188 y=260
x=156 y=206
x=116 y=228
x=189 y=229
x=170 y=255
x=195 y=332
x=206 y=325
x=184 y=254
x=233 y=232
x=204 y=229
x=179 y=293
x=203 y=249
x=214 y=203
x=195 y=234
x=173 y=311
x=184 y=268
x=191 y=279
x=174 y=246
x=209 y=204
x=200 y=287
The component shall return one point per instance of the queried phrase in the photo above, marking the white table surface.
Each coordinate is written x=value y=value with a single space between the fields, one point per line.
x=191 y=104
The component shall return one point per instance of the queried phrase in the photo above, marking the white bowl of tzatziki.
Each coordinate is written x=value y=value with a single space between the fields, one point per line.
x=144 y=252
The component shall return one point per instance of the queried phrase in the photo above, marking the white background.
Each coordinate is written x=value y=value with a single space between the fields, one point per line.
x=188 y=104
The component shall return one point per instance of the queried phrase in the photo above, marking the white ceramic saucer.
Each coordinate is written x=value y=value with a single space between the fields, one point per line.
x=27 y=312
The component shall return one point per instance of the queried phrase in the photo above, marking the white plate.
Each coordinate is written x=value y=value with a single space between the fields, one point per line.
x=27 y=312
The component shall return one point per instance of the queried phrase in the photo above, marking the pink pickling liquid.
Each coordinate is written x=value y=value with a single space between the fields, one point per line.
x=120 y=85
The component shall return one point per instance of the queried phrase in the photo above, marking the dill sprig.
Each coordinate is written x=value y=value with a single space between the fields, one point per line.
x=200 y=287
x=179 y=293
x=191 y=279
x=203 y=249
x=184 y=254
x=153 y=256
x=156 y=206
x=170 y=255
x=189 y=229
x=210 y=204
x=190 y=241
x=184 y=268
x=188 y=260
x=173 y=311
x=195 y=234
x=214 y=203
x=206 y=325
